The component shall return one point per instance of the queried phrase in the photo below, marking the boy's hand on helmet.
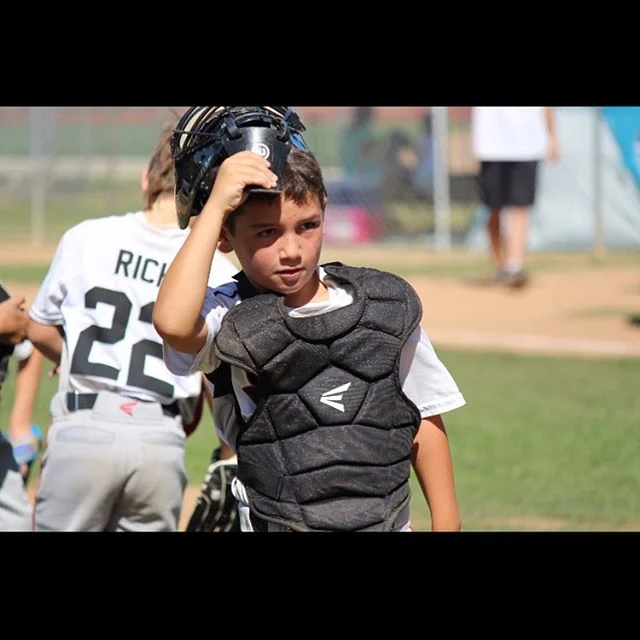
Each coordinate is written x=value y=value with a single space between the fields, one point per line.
x=236 y=173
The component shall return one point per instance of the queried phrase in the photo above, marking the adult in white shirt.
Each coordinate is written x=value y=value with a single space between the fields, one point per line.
x=509 y=143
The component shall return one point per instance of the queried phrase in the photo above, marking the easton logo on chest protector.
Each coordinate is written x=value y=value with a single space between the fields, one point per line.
x=333 y=397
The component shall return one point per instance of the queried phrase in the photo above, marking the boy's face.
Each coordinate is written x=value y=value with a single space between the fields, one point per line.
x=278 y=244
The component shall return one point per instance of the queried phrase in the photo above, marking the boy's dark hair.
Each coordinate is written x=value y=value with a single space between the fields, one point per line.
x=160 y=176
x=301 y=179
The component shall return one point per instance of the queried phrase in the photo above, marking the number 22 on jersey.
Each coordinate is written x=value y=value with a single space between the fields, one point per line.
x=82 y=366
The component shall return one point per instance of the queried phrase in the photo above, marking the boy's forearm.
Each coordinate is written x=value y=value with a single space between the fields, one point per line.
x=47 y=339
x=27 y=384
x=431 y=459
x=550 y=121
x=176 y=313
x=13 y=320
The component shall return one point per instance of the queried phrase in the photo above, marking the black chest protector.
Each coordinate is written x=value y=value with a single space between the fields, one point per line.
x=328 y=446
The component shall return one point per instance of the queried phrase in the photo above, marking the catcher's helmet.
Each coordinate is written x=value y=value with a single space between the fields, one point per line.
x=205 y=136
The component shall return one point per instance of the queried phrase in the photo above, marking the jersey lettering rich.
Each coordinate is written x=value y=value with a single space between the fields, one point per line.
x=134 y=266
x=101 y=288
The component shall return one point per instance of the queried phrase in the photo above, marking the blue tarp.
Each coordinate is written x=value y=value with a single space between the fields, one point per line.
x=624 y=123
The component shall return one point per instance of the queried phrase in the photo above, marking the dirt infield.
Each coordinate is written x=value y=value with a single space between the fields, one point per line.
x=581 y=312
x=571 y=307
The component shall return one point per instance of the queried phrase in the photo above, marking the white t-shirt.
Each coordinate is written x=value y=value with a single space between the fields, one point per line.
x=101 y=287
x=425 y=380
x=509 y=133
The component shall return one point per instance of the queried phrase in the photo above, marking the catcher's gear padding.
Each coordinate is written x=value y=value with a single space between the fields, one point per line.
x=216 y=510
x=205 y=136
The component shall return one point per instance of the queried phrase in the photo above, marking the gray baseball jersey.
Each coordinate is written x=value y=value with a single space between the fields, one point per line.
x=114 y=457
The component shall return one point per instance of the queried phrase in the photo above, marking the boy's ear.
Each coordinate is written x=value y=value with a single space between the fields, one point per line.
x=144 y=180
x=224 y=244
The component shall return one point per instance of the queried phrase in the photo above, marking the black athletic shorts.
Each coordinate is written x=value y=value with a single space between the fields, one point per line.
x=508 y=183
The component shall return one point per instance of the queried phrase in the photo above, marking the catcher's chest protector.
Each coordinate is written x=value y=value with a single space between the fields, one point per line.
x=328 y=447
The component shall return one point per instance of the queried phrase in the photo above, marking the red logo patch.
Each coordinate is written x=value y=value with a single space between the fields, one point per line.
x=128 y=407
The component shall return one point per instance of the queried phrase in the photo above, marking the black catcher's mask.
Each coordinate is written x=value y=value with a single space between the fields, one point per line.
x=205 y=136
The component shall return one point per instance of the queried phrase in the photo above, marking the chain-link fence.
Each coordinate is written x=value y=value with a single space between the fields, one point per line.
x=393 y=174
x=59 y=165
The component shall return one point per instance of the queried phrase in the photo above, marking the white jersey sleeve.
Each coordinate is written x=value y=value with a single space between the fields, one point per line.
x=217 y=303
x=46 y=308
x=424 y=378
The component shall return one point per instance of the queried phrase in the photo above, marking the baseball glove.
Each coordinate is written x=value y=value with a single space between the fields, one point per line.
x=216 y=510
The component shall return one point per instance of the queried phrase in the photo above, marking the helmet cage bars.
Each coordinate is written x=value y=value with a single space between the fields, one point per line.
x=205 y=136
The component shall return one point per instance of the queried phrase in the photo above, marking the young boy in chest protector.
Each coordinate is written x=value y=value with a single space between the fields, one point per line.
x=326 y=385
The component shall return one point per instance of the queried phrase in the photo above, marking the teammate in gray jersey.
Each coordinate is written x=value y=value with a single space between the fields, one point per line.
x=114 y=459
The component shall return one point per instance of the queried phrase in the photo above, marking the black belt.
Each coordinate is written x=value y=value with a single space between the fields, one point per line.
x=79 y=401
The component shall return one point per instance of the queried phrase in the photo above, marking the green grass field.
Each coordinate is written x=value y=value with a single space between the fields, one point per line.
x=544 y=443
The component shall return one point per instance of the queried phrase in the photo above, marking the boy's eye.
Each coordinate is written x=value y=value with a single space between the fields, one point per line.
x=314 y=224
x=266 y=233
